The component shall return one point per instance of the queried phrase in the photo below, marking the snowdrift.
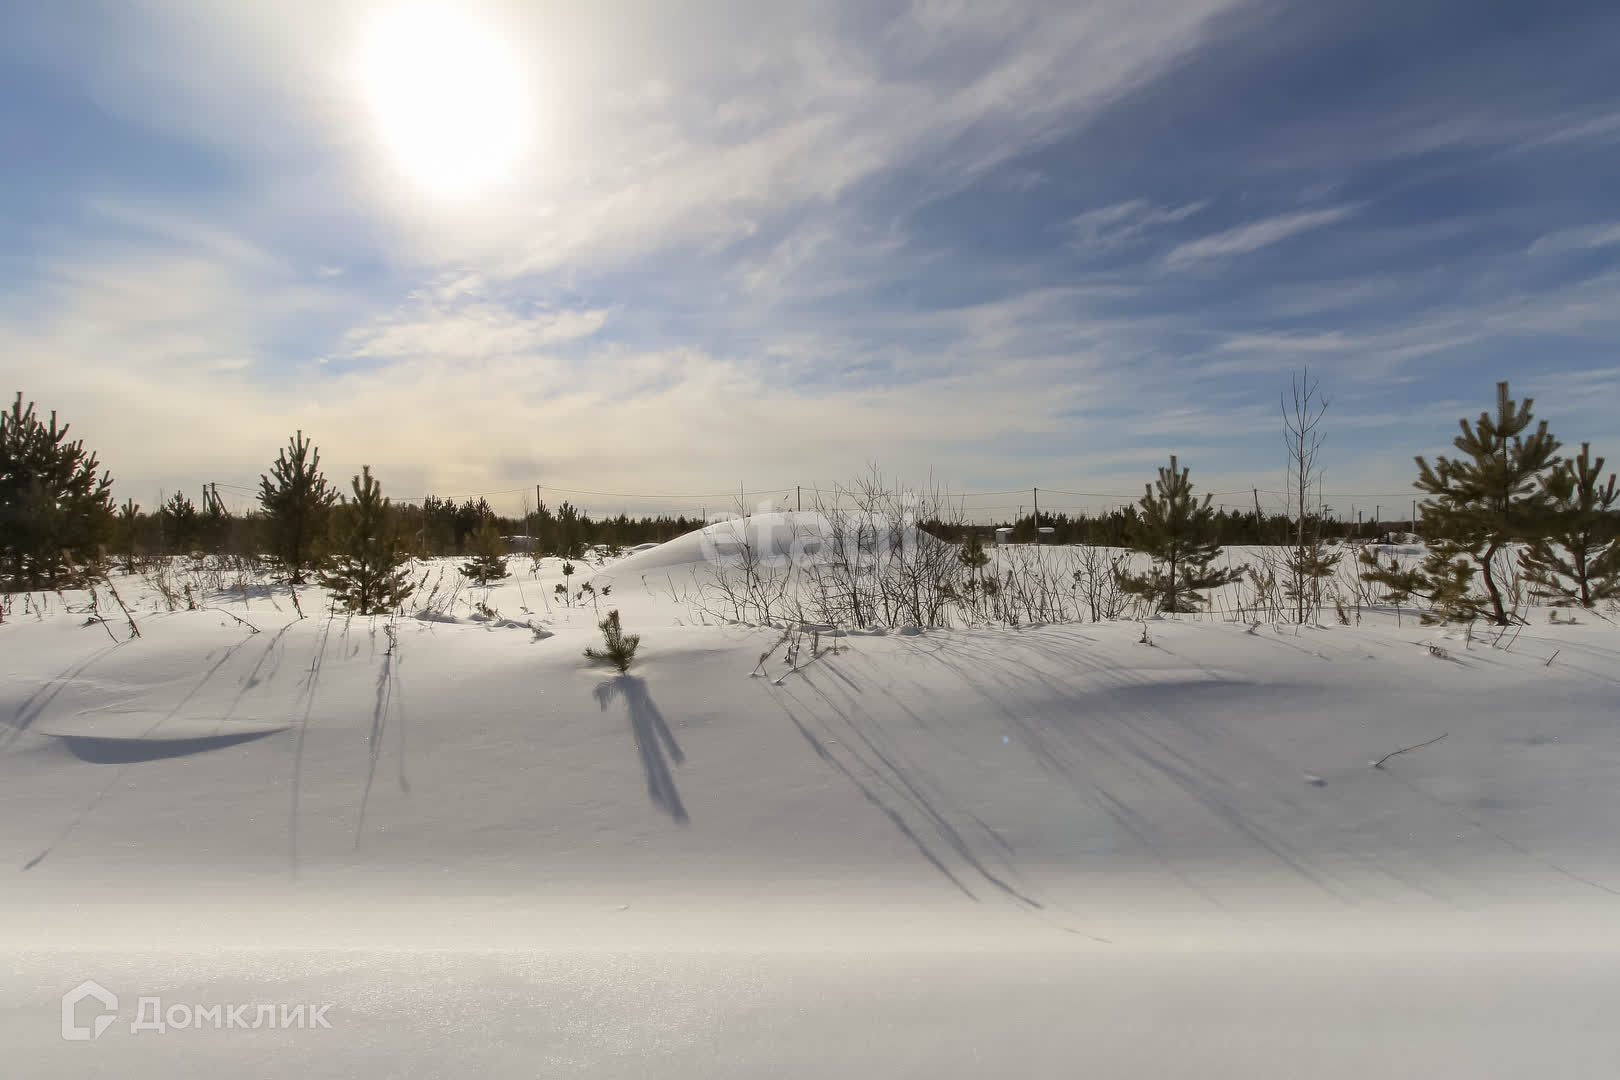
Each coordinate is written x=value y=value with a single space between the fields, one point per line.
x=775 y=541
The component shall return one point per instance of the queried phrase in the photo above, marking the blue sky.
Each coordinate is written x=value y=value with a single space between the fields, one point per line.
x=755 y=245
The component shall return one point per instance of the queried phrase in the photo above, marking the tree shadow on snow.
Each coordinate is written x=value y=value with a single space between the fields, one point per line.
x=653 y=739
x=103 y=751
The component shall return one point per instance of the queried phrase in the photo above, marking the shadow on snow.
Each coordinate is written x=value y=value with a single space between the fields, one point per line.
x=653 y=740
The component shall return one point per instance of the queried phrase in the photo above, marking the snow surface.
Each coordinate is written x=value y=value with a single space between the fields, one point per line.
x=1054 y=851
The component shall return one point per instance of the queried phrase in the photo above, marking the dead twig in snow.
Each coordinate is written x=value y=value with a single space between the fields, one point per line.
x=134 y=631
x=1379 y=764
x=239 y=619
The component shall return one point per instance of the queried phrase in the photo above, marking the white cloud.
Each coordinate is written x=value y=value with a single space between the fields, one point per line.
x=469 y=332
x=1328 y=341
x=1255 y=235
x=1110 y=227
x=686 y=125
x=741 y=144
x=1584 y=238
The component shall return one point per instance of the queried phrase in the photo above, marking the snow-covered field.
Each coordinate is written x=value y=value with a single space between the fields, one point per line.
x=1050 y=851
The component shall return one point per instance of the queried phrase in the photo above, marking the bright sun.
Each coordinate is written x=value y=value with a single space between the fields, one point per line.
x=449 y=98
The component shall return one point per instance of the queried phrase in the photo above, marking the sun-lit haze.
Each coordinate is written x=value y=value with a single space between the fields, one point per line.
x=487 y=245
x=449 y=98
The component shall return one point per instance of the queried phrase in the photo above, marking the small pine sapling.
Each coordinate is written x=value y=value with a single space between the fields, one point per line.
x=125 y=533
x=619 y=648
x=488 y=562
x=366 y=569
x=1179 y=533
x=1578 y=558
x=297 y=501
x=1399 y=584
x=1494 y=494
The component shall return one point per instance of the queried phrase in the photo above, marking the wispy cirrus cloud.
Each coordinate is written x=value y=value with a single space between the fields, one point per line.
x=1584 y=238
x=1011 y=239
x=1110 y=227
x=469 y=331
x=1255 y=235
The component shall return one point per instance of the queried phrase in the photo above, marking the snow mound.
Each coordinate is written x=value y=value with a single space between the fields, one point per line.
x=778 y=540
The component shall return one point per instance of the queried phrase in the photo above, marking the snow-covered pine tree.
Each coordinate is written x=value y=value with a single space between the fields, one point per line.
x=51 y=499
x=488 y=550
x=1483 y=501
x=366 y=566
x=296 y=500
x=1178 y=532
x=1578 y=559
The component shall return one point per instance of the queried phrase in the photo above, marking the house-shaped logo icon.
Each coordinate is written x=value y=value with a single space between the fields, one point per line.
x=71 y=1029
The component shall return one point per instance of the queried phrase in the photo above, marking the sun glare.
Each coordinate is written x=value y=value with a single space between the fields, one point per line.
x=449 y=98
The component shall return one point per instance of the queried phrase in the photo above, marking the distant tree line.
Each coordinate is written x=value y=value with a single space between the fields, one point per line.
x=186 y=526
x=1508 y=517
x=1113 y=528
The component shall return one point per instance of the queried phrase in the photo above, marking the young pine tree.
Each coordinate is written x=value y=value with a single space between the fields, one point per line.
x=180 y=523
x=366 y=568
x=1178 y=532
x=125 y=533
x=51 y=500
x=296 y=500
x=1490 y=497
x=619 y=648
x=488 y=550
x=1578 y=559
x=972 y=556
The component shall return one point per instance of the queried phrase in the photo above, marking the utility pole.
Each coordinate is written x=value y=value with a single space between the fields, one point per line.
x=1037 y=493
x=798 y=497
